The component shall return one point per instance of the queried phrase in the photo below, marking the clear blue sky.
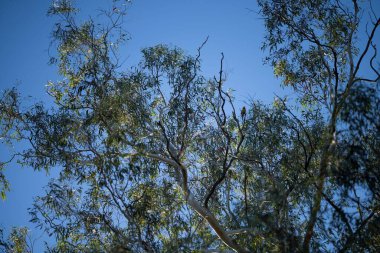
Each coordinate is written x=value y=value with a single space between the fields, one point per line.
x=232 y=27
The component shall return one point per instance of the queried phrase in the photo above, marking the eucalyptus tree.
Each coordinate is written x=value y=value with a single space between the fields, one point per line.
x=159 y=158
x=326 y=51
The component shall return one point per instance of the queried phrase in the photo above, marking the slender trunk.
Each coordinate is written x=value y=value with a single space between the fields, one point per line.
x=316 y=203
x=213 y=222
x=196 y=205
x=320 y=184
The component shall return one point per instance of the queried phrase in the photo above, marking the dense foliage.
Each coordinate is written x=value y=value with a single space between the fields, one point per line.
x=160 y=158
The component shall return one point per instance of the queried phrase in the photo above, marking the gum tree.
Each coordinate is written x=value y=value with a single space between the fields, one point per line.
x=159 y=158
x=314 y=47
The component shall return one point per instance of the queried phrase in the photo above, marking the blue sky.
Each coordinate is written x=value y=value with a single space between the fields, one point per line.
x=233 y=27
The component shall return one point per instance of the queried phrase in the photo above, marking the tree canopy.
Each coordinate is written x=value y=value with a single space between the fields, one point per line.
x=160 y=158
